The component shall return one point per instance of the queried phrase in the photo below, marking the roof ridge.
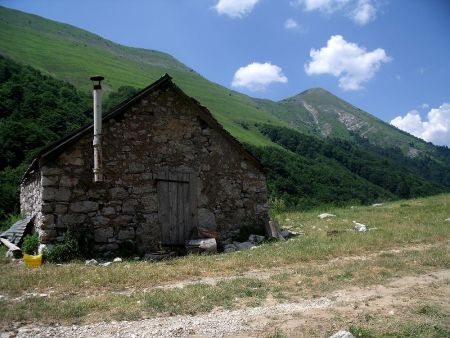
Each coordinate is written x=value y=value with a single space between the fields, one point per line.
x=165 y=79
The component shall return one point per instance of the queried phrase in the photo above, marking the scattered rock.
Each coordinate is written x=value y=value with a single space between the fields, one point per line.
x=342 y=334
x=448 y=219
x=256 y=239
x=106 y=264
x=245 y=245
x=230 y=248
x=203 y=246
x=117 y=260
x=284 y=233
x=91 y=262
x=377 y=204
x=325 y=215
x=360 y=227
x=137 y=258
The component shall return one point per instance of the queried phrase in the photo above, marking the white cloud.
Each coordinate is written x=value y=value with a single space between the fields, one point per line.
x=235 y=8
x=424 y=106
x=291 y=24
x=328 y=6
x=364 y=12
x=257 y=76
x=360 y=11
x=435 y=128
x=352 y=64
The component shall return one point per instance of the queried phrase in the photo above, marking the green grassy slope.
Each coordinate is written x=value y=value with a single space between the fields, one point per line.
x=71 y=54
x=328 y=115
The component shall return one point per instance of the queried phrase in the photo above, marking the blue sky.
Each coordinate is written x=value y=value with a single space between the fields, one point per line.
x=390 y=58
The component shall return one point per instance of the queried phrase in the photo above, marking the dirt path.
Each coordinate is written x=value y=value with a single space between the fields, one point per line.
x=254 y=274
x=309 y=317
x=266 y=274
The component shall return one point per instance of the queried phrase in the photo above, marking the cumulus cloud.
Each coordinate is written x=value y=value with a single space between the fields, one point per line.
x=257 y=76
x=363 y=13
x=353 y=65
x=291 y=24
x=360 y=11
x=235 y=8
x=435 y=128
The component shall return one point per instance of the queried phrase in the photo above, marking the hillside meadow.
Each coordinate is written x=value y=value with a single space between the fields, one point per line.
x=405 y=238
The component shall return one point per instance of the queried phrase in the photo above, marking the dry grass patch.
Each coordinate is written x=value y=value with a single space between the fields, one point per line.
x=310 y=281
x=309 y=266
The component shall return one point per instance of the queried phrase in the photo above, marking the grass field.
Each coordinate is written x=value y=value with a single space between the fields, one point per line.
x=408 y=238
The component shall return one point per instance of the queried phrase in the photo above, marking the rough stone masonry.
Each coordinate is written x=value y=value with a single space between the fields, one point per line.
x=171 y=173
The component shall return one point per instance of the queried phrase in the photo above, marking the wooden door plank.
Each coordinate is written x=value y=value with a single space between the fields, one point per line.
x=173 y=212
x=180 y=214
x=163 y=211
x=187 y=213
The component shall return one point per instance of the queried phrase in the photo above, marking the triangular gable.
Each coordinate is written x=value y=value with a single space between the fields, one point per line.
x=165 y=81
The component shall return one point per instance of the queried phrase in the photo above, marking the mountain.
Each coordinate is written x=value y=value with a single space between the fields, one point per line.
x=323 y=114
x=72 y=54
x=316 y=147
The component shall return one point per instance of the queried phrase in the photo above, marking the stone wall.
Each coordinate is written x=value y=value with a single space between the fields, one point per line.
x=31 y=197
x=163 y=133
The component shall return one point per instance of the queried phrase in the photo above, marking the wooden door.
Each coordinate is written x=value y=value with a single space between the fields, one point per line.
x=175 y=209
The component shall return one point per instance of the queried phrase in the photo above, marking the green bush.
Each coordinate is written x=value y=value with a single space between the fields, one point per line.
x=66 y=251
x=30 y=244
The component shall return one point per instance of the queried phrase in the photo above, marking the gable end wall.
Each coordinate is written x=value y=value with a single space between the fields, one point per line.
x=162 y=133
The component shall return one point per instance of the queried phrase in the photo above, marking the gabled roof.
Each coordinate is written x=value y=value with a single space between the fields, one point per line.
x=165 y=81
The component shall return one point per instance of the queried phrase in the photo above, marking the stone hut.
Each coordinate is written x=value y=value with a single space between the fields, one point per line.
x=171 y=173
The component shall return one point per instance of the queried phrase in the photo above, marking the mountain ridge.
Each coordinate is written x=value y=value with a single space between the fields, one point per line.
x=64 y=54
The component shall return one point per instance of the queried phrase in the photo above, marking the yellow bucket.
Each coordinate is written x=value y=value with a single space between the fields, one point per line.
x=32 y=261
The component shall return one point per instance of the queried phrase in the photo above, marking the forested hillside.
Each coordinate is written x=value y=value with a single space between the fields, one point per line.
x=35 y=110
x=303 y=171
x=310 y=171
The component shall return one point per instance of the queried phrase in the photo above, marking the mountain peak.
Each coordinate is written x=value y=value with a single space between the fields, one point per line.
x=316 y=92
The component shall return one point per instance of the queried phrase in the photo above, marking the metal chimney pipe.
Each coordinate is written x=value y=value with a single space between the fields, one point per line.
x=97 y=142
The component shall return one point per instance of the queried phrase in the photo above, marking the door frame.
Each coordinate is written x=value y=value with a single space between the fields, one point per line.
x=182 y=177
